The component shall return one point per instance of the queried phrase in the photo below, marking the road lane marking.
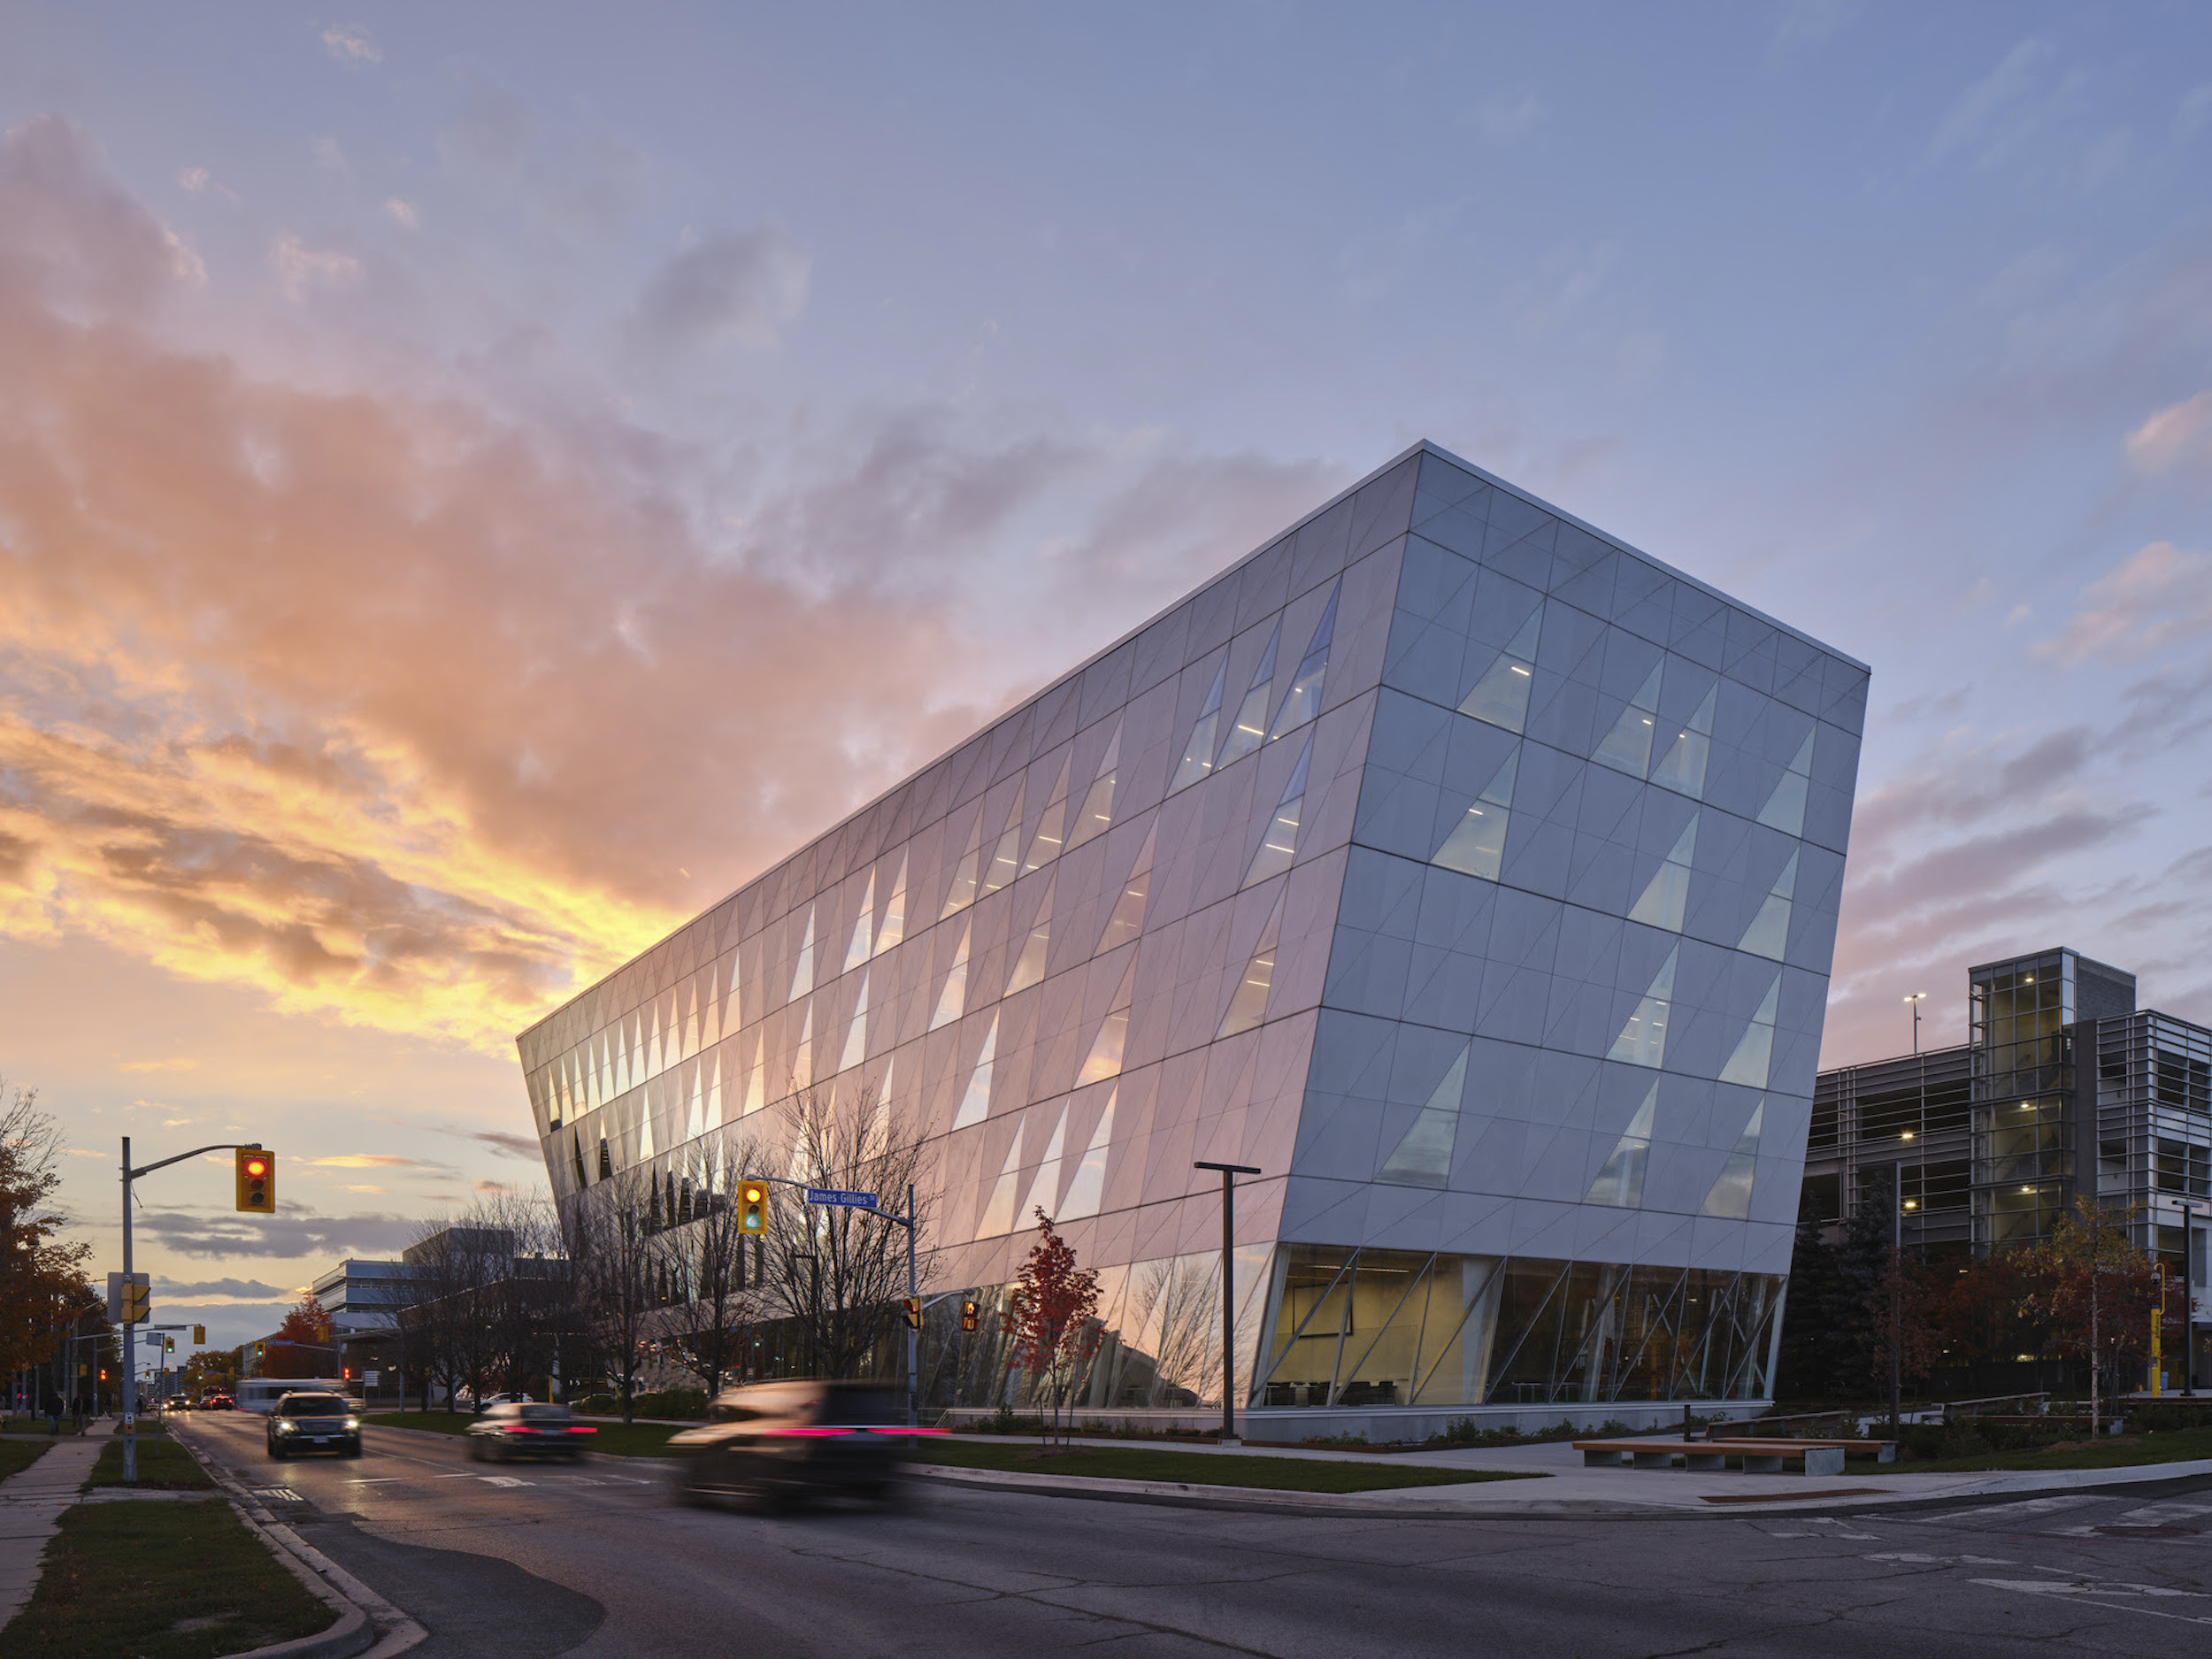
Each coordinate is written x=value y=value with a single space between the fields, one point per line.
x=504 y=1480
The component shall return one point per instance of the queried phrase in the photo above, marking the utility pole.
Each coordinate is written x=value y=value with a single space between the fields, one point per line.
x=1897 y=1289
x=1229 y=1172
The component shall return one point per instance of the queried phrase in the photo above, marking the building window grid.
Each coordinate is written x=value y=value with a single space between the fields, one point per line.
x=2154 y=1121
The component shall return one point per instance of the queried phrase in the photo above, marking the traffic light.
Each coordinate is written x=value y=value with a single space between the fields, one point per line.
x=256 y=1180
x=322 y=1334
x=913 y=1305
x=752 y=1201
x=168 y=1345
x=199 y=1336
x=260 y=1352
x=970 y=1311
x=345 y=1374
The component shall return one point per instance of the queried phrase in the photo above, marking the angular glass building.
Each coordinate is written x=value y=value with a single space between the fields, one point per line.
x=1471 y=874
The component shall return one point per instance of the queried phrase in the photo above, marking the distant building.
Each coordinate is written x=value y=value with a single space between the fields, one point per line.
x=2063 y=1089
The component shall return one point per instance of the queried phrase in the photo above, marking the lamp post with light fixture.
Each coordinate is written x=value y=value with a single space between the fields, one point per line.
x=1914 y=1003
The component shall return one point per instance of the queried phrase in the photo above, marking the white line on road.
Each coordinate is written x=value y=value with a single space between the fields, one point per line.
x=504 y=1480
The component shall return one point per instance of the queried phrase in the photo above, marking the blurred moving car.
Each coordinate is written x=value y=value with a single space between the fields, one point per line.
x=778 y=1443
x=522 y=1428
x=489 y=1401
x=315 y=1422
x=218 y=1403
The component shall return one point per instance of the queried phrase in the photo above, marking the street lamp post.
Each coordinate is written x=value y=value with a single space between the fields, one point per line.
x=1229 y=1173
x=1914 y=1003
x=2188 y=1297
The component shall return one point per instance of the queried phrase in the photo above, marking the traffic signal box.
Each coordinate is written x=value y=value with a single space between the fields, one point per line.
x=913 y=1305
x=199 y=1336
x=137 y=1303
x=752 y=1205
x=256 y=1180
x=970 y=1311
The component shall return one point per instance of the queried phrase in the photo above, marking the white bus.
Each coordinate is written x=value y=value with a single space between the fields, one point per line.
x=261 y=1394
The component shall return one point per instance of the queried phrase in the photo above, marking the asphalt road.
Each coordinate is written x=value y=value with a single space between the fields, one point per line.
x=594 y=1560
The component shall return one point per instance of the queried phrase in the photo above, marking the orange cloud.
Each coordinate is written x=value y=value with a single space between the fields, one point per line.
x=410 y=715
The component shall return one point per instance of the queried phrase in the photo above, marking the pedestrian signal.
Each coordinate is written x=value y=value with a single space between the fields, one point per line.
x=752 y=1199
x=913 y=1312
x=970 y=1311
x=256 y=1180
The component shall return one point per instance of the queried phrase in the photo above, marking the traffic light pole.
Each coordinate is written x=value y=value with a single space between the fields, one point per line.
x=130 y=1401
x=913 y=1287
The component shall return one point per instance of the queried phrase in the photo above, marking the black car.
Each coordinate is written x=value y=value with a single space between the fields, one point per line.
x=781 y=1442
x=523 y=1428
x=316 y=1422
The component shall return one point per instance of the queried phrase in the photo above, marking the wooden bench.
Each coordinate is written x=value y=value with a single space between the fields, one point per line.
x=1758 y=1457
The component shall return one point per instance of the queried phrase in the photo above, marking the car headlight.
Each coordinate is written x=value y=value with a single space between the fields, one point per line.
x=284 y=1426
x=353 y=1423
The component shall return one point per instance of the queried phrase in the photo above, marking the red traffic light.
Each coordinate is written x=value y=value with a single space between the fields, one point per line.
x=256 y=1180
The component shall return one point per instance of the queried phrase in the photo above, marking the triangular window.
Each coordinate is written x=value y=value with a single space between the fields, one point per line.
x=1279 y=845
x=576 y=1151
x=1250 y=726
x=894 y=927
x=1622 y=1180
x=864 y=927
x=1304 y=701
x=1248 y=1006
x=998 y=1211
x=1029 y=967
x=1785 y=807
x=1095 y=816
x=1769 y=934
x=1501 y=696
x=975 y=1105
x=757 y=1079
x=803 y=1056
x=1045 y=1187
x=1754 y=1054
x=1424 y=1154
x=857 y=1034
x=961 y=893
x=1104 y=1060
x=1127 y=920
x=1475 y=846
x=1627 y=747
x=1006 y=858
x=1052 y=828
x=1731 y=1196
x=802 y=971
x=1088 y=1190
x=1643 y=1039
x=1667 y=894
x=1683 y=770
x=952 y=999
x=1198 y=755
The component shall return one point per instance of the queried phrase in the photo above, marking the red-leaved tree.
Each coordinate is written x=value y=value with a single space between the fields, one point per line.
x=1052 y=1316
x=302 y=1348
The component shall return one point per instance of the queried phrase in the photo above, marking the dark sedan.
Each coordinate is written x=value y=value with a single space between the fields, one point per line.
x=780 y=1442
x=316 y=1422
x=522 y=1428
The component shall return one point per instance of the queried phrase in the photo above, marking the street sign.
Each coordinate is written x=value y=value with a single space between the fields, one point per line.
x=832 y=1196
x=368 y=1379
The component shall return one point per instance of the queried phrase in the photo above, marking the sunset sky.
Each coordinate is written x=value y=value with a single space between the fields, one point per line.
x=478 y=483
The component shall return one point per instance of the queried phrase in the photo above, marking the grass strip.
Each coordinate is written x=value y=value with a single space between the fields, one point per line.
x=617 y=1440
x=2132 y=1451
x=163 y=1466
x=1270 y=1474
x=18 y=1455
x=159 y=1581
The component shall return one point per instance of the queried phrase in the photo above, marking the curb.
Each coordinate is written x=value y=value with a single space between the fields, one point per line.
x=364 y=1615
x=1251 y=1500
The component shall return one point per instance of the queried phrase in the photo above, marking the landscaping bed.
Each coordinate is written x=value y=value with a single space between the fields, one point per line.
x=1272 y=1474
x=2123 y=1451
x=159 y=1581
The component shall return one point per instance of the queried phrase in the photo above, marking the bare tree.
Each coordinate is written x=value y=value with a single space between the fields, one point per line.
x=42 y=1277
x=620 y=1266
x=840 y=1274
x=711 y=1248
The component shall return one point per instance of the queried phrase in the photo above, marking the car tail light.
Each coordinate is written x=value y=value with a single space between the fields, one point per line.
x=582 y=1428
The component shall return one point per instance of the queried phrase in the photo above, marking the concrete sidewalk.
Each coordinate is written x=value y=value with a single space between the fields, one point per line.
x=30 y=1510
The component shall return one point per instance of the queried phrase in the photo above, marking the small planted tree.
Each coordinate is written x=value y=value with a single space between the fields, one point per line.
x=2095 y=1291
x=1052 y=1317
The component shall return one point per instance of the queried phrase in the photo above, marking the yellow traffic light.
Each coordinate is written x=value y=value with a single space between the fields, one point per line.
x=970 y=1311
x=256 y=1180
x=913 y=1312
x=752 y=1199
x=199 y=1336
